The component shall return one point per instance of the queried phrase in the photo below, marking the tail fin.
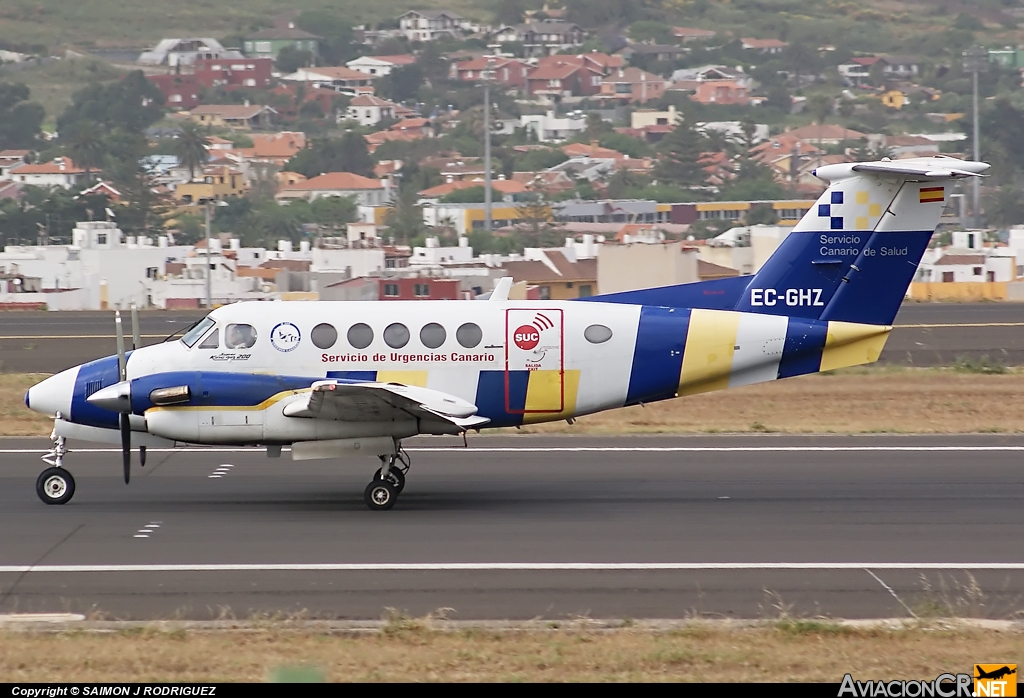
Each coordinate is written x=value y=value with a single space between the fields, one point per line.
x=853 y=255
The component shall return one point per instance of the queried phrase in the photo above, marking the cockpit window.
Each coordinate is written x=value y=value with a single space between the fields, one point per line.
x=212 y=341
x=193 y=335
x=239 y=336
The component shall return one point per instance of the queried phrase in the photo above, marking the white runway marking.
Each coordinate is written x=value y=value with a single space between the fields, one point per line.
x=596 y=449
x=147 y=529
x=518 y=567
x=221 y=471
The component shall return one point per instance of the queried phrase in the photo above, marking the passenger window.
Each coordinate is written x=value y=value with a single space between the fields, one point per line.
x=433 y=335
x=469 y=335
x=324 y=336
x=239 y=336
x=360 y=335
x=212 y=340
x=396 y=335
x=597 y=334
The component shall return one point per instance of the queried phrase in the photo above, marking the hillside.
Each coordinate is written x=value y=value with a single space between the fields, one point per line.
x=870 y=25
x=105 y=23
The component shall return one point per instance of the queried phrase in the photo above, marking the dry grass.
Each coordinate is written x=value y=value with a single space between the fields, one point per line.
x=410 y=651
x=15 y=418
x=873 y=400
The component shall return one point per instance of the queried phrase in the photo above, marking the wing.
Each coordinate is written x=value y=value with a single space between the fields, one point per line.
x=385 y=402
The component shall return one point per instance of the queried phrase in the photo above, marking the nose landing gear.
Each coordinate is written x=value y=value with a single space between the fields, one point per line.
x=388 y=482
x=55 y=485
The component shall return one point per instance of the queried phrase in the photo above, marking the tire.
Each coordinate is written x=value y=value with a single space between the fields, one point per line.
x=395 y=476
x=55 y=486
x=380 y=495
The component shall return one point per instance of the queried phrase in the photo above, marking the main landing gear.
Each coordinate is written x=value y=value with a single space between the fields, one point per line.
x=388 y=482
x=55 y=484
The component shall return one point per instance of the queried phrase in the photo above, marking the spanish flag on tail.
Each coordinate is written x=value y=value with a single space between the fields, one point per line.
x=932 y=195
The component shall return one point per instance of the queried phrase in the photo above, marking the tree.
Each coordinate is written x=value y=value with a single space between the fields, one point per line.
x=191 y=147
x=334 y=211
x=20 y=120
x=132 y=103
x=535 y=216
x=404 y=218
x=681 y=150
x=290 y=59
x=345 y=154
x=402 y=83
x=87 y=146
x=1004 y=206
x=510 y=12
x=337 y=40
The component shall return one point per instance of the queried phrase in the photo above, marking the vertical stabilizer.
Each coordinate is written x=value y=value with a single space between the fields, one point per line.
x=853 y=255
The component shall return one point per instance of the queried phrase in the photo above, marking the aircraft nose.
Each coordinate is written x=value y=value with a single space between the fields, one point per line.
x=54 y=394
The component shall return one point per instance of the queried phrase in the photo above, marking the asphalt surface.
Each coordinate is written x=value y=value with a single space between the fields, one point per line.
x=926 y=334
x=659 y=516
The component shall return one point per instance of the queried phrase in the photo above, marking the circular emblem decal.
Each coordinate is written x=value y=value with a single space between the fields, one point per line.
x=526 y=337
x=285 y=336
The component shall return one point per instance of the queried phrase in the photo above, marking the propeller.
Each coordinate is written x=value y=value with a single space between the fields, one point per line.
x=136 y=343
x=123 y=421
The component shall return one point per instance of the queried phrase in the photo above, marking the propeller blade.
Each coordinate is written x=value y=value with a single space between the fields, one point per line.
x=121 y=361
x=135 y=328
x=142 y=456
x=126 y=445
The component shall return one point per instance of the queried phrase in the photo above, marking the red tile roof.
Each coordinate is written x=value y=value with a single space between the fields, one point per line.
x=61 y=165
x=336 y=181
x=503 y=186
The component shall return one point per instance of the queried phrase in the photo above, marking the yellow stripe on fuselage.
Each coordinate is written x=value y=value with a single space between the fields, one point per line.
x=852 y=344
x=707 y=356
x=414 y=378
x=544 y=395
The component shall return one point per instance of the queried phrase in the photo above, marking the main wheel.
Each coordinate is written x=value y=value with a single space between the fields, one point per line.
x=395 y=476
x=380 y=495
x=55 y=486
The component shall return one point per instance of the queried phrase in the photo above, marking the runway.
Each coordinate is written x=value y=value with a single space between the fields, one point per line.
x=925 y=334
x=519 y=527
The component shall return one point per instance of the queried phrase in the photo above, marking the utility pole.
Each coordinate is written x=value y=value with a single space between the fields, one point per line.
x=206 y=274
x=976 y=61
x=486 y=78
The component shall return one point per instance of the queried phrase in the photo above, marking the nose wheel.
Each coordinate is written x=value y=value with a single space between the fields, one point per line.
x=55 y=486
x=388 y=482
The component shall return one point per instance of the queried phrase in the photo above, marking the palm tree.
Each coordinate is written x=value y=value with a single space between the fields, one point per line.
x=87 y=147
x=191 y=147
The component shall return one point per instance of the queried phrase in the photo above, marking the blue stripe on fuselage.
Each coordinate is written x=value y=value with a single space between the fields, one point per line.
x=216 y=389
x=490 y=397
x=658 y=357
x=91 y=377
x=802 y=352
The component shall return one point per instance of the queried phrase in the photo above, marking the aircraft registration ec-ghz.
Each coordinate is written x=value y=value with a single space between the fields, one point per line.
x=332 y=379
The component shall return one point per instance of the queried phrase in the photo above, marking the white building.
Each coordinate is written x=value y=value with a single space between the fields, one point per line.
x=175 y=52
x=435 y=255
x=354 y=262
x=101 y=269
x=547 y=128
x=379 y=65
x=369 y=110
x=365 y=191
x=59 y=172
x=969 y=259
x=427 y=25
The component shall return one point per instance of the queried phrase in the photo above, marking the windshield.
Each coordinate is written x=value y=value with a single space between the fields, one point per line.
x=193 y=335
